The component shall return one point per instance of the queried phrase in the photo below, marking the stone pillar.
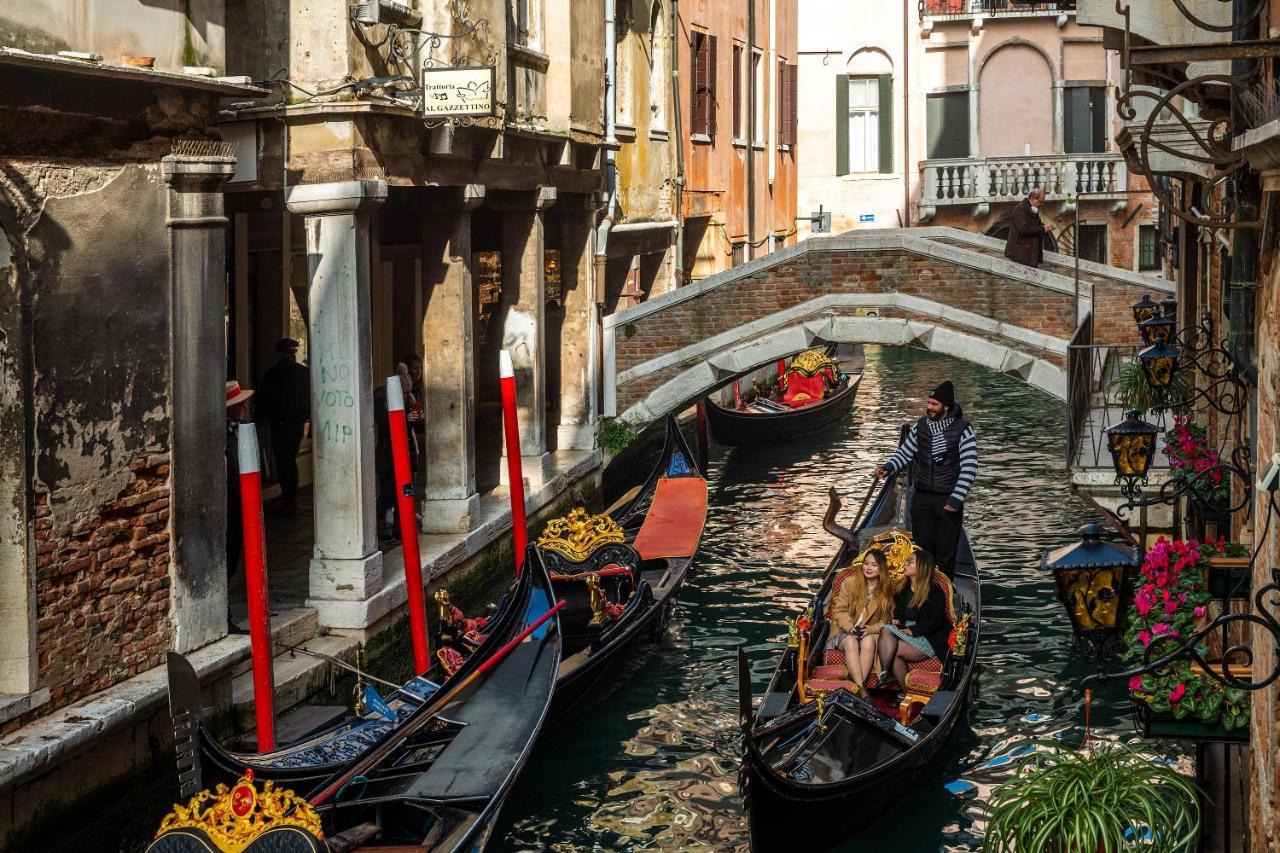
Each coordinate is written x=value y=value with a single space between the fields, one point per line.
x=345 y=564
x=450 y=503
x=198 y=505
x=524 y=323
x=579 y=334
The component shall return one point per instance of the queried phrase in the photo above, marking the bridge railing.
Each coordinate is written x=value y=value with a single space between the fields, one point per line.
x=1096 y=400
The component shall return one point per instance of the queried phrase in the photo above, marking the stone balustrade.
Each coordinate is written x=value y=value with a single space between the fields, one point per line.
x=986 y=180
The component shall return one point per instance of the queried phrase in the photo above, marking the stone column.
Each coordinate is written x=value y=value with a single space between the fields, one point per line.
x=450 y=503
x=524 y=323
x=345 y=564
x=579 y=334
x=198 y=505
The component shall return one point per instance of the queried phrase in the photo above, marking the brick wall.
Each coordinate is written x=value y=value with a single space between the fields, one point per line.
x=102 y=589
x=1265 y=736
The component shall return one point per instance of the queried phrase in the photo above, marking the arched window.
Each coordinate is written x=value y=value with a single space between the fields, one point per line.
x=659 y=67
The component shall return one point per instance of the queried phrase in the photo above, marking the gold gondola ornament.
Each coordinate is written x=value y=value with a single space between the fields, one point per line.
x=234 y=818
x=577 y=535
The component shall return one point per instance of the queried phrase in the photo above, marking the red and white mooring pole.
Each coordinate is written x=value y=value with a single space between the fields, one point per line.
x=704 y=442
x=408 y=525
x=782 y=367
x=255 y=581
x=515 y=475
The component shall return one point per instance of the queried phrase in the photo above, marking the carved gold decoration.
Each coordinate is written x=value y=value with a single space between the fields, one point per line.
x=812 y=361
x=793 y=633
x=233 y=819
x=445 y=605
x=962 y=637
x=897 y=546
x=577 y=535
x=597 y=599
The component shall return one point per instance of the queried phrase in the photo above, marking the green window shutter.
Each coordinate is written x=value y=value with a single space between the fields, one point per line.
x=842 y=124
x=886 y=124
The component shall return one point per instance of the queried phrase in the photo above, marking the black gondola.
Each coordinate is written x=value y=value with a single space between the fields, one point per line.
x=762 y=420
x=619 y=573
x=817 y=771
x=437 y=778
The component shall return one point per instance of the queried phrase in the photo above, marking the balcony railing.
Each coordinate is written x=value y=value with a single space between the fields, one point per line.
x=987 y=180
x=968 y=8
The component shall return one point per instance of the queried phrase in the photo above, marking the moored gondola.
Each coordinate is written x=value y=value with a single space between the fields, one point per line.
x=816 y=390
x=822 y=758
x=435 y=781
x=619 y=573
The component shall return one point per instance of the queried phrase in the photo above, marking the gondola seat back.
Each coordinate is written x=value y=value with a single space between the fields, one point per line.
x=595 y=589
x=250 y=816
x=809 y=378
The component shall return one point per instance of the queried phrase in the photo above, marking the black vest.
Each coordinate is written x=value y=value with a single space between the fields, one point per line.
x=938 y=474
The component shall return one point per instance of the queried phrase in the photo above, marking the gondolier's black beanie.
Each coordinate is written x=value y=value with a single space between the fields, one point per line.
x=944 y=394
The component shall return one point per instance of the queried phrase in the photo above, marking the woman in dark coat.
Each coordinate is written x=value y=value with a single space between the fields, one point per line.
x=1026 y=232
x=920 y=625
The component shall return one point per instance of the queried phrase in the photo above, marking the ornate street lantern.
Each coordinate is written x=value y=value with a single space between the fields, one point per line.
x=1159 y=364
x=1132 y=443
x=1144 y=309
x=1161 y=323
x=1092 y=578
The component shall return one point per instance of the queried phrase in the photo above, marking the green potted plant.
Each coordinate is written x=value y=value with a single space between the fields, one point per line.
x=1131 y=386
x=1101 y=798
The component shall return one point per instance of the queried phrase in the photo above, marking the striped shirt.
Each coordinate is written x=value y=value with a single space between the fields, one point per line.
x=937 y=432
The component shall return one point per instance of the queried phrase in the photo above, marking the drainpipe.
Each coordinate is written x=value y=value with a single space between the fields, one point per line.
x=771 y=69
x=906 y=115
x=751 y=128
x=611 y=139
x=677 y=100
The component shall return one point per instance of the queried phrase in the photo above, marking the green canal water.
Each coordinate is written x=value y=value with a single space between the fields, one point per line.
x=655 y=765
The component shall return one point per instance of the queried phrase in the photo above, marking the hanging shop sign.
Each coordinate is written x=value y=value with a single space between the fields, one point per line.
x=450 y=91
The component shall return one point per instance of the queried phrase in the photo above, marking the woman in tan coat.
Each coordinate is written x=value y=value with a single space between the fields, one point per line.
x=861 y=606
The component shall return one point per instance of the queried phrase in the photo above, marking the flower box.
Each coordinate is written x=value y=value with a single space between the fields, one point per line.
x=1151 y=724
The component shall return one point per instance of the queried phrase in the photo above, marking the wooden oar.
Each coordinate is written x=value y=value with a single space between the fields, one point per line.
x=423 y=717
x=875 y=481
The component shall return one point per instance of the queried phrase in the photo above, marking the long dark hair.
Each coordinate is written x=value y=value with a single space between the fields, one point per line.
x=922 y=583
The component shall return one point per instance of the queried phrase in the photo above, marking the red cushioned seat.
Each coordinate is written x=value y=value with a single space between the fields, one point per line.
x=924 y=681
x=836 y=672
x=833 y=657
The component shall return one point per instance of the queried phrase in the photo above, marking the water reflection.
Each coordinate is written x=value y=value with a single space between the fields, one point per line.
x=655 y=765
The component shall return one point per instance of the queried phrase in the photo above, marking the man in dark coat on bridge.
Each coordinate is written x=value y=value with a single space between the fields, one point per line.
x=1026 y=232
x=944 y=451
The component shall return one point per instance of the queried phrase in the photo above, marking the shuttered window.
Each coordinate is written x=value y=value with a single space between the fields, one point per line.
x=1149 y=248
x=738 y=131
x=864 y=124
x=704 y=85
x=787 y=88
x=947 y=124
x=1086 y=119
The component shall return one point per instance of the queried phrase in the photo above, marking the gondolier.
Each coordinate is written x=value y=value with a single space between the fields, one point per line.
x=945 y=452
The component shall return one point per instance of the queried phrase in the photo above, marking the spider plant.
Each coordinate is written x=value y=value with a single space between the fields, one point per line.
x=1104 y=799
x=1131 y=386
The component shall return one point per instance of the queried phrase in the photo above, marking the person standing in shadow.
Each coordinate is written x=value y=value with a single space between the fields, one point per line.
x=284 y=397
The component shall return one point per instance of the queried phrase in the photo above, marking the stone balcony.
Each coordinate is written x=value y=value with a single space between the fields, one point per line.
x=983 y=181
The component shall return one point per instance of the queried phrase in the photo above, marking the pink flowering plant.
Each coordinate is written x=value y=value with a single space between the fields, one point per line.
x=1171 y=599
x=1192 y=461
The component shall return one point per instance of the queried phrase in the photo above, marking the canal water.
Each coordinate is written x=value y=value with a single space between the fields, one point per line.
x=655 y=765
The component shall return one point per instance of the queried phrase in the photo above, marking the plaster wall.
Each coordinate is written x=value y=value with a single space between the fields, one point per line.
x=175 y=32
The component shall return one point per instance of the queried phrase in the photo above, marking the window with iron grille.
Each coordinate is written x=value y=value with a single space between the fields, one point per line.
x=704 y=85
x=1091 y=243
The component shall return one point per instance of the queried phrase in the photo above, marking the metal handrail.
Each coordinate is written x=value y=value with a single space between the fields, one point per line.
x=1092 y=385
x=944 y=8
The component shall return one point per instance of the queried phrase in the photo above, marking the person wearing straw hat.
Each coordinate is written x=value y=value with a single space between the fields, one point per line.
x=237 y=407
x=944 y=453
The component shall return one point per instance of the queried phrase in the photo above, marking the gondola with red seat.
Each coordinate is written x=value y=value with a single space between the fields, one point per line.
x=823 y=754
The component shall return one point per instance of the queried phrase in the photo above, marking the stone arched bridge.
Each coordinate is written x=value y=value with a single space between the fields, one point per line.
x=943 y=289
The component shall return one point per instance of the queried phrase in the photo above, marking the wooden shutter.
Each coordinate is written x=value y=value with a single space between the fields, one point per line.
x=711 y=86
x=699 y=85
x=886 y=123
x=737 y=92
x=791 y=90
x=842 y=124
